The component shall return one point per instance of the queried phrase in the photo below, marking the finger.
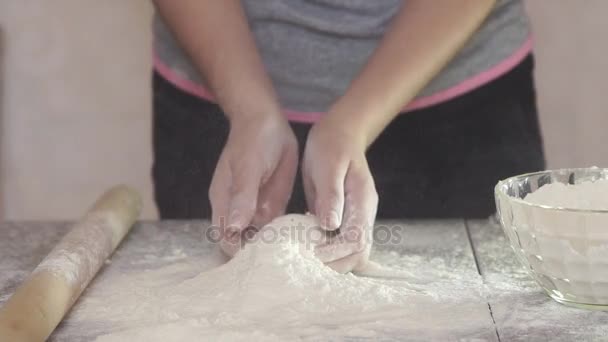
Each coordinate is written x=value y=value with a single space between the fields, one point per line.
x=351 y=240
x=360 y=211
x=329 y=200
x=230 y=245
x=334 y=250
x=234 y=241
x=276 y=191
x=219 y=195
x=346 y=264
x=245 y=188
x=361 y=205
x=309 y=191
x=352 y=263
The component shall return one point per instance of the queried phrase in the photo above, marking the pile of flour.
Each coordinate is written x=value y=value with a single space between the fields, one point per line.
x=271 y=290
x=585 y=195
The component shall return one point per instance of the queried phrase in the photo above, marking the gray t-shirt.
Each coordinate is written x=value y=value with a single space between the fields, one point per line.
x=312 y=49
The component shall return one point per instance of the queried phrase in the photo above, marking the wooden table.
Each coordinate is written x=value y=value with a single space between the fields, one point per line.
x=512 y=307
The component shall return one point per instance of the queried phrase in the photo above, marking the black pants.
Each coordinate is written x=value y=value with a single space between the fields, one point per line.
x=437 y=162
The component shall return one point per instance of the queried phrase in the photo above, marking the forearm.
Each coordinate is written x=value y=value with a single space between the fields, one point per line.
x=424 y=37
x=216 y=36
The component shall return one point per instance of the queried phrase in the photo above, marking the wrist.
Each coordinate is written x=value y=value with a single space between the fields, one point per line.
x=248 y=114
x=260 y=125
x=258 y=104
x=343 y=129
x=243 y=115
x=352 y=124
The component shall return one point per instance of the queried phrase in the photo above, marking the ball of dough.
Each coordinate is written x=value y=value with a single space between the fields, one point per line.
x=298 y=228
x=307 y=232
x=295 y=228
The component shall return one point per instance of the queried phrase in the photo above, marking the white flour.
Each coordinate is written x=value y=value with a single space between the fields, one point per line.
x=586 y=195
x=277 y=290
x=570 y=247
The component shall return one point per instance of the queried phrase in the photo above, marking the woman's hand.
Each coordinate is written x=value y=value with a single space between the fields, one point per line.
x=254 y=177
x=340 y=190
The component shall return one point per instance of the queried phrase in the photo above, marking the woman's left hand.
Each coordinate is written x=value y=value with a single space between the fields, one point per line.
x=340 y=190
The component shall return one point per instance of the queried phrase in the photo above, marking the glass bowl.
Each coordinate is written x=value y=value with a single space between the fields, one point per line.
x=565 y=250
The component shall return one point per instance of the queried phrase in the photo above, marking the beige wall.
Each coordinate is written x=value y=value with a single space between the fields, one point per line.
x=572 y=79
x=75 y=108
x=74 y=97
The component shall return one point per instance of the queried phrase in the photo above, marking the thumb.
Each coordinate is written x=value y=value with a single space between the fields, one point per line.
x=243 y=200
x=329 y=201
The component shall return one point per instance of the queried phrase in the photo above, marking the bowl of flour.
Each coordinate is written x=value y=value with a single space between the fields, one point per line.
x=557 y=223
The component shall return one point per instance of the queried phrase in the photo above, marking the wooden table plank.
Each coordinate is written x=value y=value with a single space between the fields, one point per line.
x=427 y=249
x=522 y=311
x=442 y=248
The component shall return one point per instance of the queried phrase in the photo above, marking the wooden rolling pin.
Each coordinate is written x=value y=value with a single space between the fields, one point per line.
x=40 y=303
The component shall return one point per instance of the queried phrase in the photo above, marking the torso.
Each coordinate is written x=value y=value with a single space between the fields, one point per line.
x=312 y=49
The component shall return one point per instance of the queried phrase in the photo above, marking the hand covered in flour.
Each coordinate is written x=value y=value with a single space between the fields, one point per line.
x=340 y=190
x=254 y=177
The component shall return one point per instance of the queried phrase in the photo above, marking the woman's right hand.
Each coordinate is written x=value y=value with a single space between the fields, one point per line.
x=254 y=176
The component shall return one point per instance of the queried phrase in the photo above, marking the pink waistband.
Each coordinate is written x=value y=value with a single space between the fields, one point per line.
x=463 y=87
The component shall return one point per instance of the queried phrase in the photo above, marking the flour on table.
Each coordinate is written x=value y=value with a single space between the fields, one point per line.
x=273 y=289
